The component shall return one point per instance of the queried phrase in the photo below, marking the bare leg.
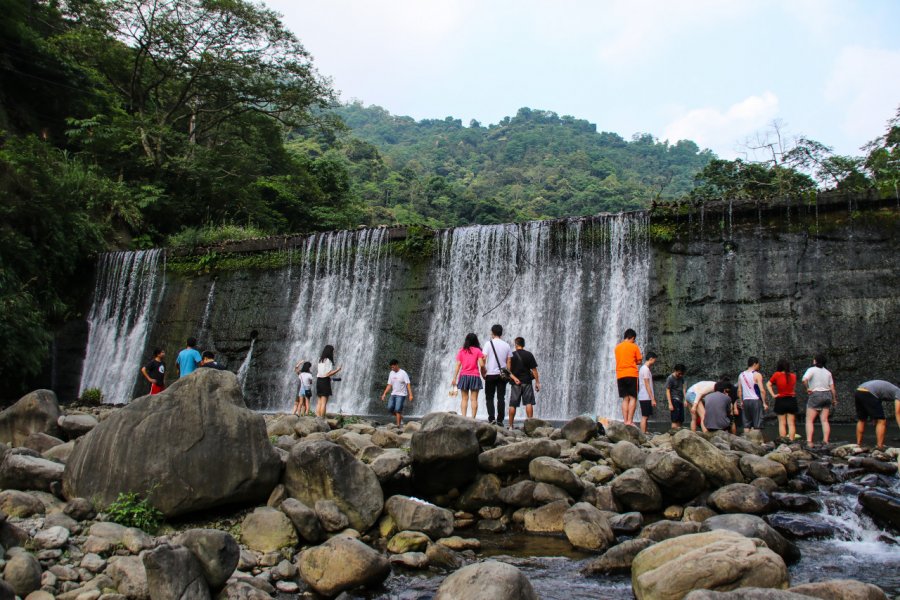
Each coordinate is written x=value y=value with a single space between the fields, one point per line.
x=625 y=410
x=701 y=410
x=880 y=429
x=474 y=403
x=512 y=416
x=826 y=426
x=644 y=423
x=464 y=402
x=630 y=404
x=321 y=406
x=860 y=430
x=782 y=425
x=897 y=411
x=810 y=424
x=399 y=416
x=792 y=426
x=693 y=415
x=529 y=410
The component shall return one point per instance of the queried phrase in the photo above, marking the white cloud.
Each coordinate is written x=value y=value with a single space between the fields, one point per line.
x=721 y=130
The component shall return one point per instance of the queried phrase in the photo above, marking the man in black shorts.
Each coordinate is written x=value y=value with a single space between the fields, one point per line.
x=524 y=372
x=869 y=397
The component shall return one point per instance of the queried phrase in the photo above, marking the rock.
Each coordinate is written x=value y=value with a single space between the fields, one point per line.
x=242 y=590
x=305 y=520
x=840 y=589
x=580 y=429
x=103 y=537
x=797 y=526
x=416 y=515
x=626 y=455
x=822 y=473
x=531 y=425
x=389 y=462
x=617 y=559
x=517 y=456
x=408 y=541
x=677 y=478
x=173 y=573
x=355 y=443
x=716 y=560
x=483 y=491
x=130 y=577
x=59 y=453
x=7 y=593
x=545 y=493
x=587 y=528
x=604 y=499
x=765 y=484
x=36 y=412
x=754 y=466
x=51 y=538
x=796 y=502
x=547 y=518
x=268 y=530
x=518 y=494
x=304 y=426
x=442 y=557
x=549 y=470
x=600 y=474
x=459 y=544
x=410 y=560
x=715 y=465
x=217 y=552
x=746 y=593
x=752 y=526
x=741 y=498
x=873 y=465
x=331 y=517
x=618 y=431
x=76 y=425
x=387 y=439
x=444 y=452
x=40 y=442
x=23 y=572
x=19 y=504
x=208 y=449
x=673 y=512
x=883 y=506
x=636 y=491
x=664 y=530
x=787 y=461
x=627 y=523
x=23 y=472
x=80 y=509
x=325 y=471
x=488 y=580
x=359 y=566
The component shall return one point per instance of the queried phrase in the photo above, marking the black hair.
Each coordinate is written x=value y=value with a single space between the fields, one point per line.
x=471 y=342
x=156 y=351
x=327 y=352
x=629 y=334
x=721 y=386
x=497 y=330
x=820 y=360
x=652 y=355
x=520 y=341
x=191 y=342
x=209 y=354
x=784 y=366
x=680 y=367
x=305 y=367
x=752 y=361
x=393 y=362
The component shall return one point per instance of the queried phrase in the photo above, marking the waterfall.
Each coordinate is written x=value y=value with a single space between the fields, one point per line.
x=245 y=367
x=539 y=281
x=342 y=281
x=127 y=289
x=204 y=323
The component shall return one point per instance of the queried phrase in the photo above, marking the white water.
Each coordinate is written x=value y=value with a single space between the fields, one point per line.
x=124 y=300
x=536 y=280
x=342 y=280
x=204 y=323
x=245 y=367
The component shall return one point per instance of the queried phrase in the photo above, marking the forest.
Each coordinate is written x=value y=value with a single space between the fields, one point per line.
x=138 y=123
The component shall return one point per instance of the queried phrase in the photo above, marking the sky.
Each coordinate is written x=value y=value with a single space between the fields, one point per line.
x=718 y=72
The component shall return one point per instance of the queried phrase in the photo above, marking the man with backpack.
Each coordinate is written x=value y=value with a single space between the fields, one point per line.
x=524 y=372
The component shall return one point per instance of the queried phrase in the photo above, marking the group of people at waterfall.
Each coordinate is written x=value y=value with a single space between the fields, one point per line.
x=188 y=360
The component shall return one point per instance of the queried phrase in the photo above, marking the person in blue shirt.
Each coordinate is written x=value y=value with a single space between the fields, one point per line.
x=188 y=359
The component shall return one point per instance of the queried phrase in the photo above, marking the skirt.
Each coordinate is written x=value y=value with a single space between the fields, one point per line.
x=469 y=382
x=323 y=386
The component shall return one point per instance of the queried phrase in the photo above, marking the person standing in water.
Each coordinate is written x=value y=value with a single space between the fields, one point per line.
x=325 y=371
x=628 y=357
x=752 y=395
x=785 y=400
x=467 y=374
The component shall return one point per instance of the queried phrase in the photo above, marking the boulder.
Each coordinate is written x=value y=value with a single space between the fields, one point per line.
x=305 y=520
x=628 y=523
x=76 y=425
x=51 y=538
x=547 y=518
x=387 y=439
x=7 y=593
x=545 y=493
x=741 y=498
x=715 y=560
x=130 y=576
x=873 y=465
x=192 y=447
x=444 y=452
x=518 y=494
x=746 y=593
x=664 y=530
x=840 y=589
x=408 y=541
x=442 y=557
x=678 y=479
x=173 y=573
x=636 y=491
x=752 y=526
x=587 y=528
x=331 y=517
x=80 y=509
x=485 y=490
x=600 y=474
x=37 y=412
x=488 y=580
x=40 y=442
x=883 y=506
x=389 y=462
x=821 y=472
x=23 y=572
x=617 y=559
x=410 y=560
x=305 y=426
x=626 y=455
x=753 y=466
x=416 y=515
x=216 y=551
x=322 y=470
x=359 y=566
x=549 y=470
x=580 y=429
x=516 y=457
x=24 y=472
x=242 y=590
x=20 y=504
x=801 y=527
x=268 y=530
x=59 y=453
x=618 y=431
x=531 y=425
x=796 y=502
x=715 y=465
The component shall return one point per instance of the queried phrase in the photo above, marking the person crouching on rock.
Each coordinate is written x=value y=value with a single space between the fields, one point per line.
x=155 y=371
x=719 y=412
x=326 y=370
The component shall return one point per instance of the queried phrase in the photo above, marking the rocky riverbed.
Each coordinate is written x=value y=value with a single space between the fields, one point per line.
x=263 y=506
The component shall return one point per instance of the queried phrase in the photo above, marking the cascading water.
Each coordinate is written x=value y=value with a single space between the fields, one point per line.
x=245 y=366
x=538 y=281
x=204 y=324
x=128 y=287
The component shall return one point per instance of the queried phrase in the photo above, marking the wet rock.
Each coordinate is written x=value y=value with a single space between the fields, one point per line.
x=408 y=541
x=756 y=466
x=587 y=528
x=217 y=552
x=323 y=470
x=518 y=494
x=884 y=507
x=617 y=559
x=359 y=566
x=840 y=589
x=741 y=498
x=483 y=491
x=797 y=526
x=417 y=515
x=628 y=523
x=822 y=473
x=746 y=593
x=410 y=560
x=796 y=502
x=618 y=431
x=305 y=520
x=192 y=447
x=626 y=455
x=19 y=504
x=517 y=456
x=173 y=573
x=36 y=412
x=752 y=526
x=715 y=465
x=549 y=470
x=268 y=530
x=664 y=530
x=442 y=557
x=547 y=518
x=873 y=465
x=636 y=491
x=580 y=429
x=677 y=478
x=488 y=580
x=717 y=560
x=444 y=453
x=23 y=573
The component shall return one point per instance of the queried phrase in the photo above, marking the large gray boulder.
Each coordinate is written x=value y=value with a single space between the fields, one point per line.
x=37 y=412
x=216 y=551
x=741 y=498
x=173 y=573
x=484 y=491
x=677 y=478
x=715 y=465
x=580 y=429
x=342 y=563
x=636 y=491
x=516 y=457
x=617 y=431
x=192 y=447
x=752 y=526
x=488 y=580
x=24 y=472
x=322 y=470
x=626 y=455
x=549 y=470
x=518 y=494
x=411 y=514
x=444 y=452
x=23 y=573
x=76 y=425
x=840 y=589
x=587 y=528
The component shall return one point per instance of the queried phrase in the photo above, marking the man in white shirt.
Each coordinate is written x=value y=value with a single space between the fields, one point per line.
x=646 y=397
x=498 y=355
x=401 y=390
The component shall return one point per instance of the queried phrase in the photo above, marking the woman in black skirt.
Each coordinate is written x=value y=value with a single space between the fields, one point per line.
x=324 y=374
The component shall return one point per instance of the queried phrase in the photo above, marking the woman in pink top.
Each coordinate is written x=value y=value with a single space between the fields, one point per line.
x=467 y=375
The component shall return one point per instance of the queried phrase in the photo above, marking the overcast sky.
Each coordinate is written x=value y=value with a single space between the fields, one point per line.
x=714 y=71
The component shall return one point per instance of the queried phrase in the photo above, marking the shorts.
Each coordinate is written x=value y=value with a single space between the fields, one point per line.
x=646 y=408
x=469 y=382
x=691 y=398
x=521 y=394
x=323 y=386
x=303 y=392
x=395 y=404
x=678 y=413
x=155 y=388
x=786 y=405
x=868 y=406
x=627 y=386
x=753 y=413
x=819 y=400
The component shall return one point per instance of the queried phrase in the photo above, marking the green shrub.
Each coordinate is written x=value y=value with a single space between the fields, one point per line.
x=192 y=237
x=92 y=397
x=131 y=510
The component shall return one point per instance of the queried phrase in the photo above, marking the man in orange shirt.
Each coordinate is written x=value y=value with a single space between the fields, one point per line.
x=628 y=357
